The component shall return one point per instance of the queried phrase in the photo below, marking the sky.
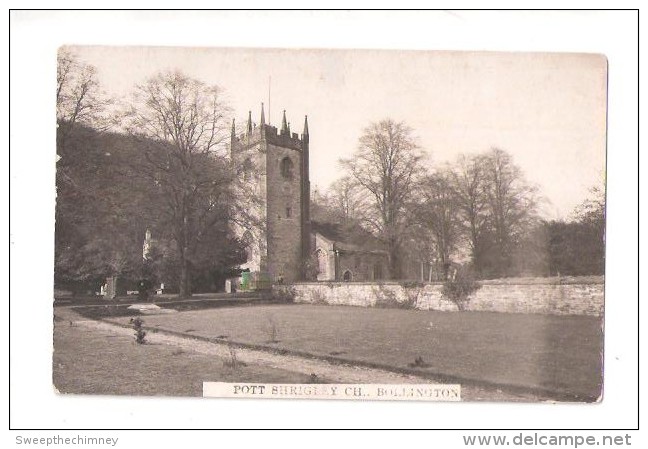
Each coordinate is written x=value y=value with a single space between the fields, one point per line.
x=548 y=110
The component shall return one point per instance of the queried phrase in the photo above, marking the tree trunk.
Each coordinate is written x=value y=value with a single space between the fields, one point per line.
x=394 y=263
x=185 y=275
x=185 y=279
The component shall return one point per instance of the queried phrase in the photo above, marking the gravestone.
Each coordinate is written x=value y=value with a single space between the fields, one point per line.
x=110 y=291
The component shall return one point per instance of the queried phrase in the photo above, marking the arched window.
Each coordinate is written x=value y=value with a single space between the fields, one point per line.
x=247 y=241
x=287 y=168
x=347 y=276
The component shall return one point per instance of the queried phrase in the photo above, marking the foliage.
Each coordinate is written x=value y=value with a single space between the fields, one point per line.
x=577 y=247
x=413 y=291
x=387 y=298
x=459 y=288
x=314 y=379
x=419 y=363
x=284 y=293
x=311 y=267
x=112 y=187
x=272 y=330
x=93 y=235
x=531 y=254
x=412 y=284
x=140 y=333
x=102 y=208
x=232 y=361
x=187 y=119
x=319 y=298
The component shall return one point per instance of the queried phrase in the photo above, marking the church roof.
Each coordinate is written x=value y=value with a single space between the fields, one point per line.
x=348 y=238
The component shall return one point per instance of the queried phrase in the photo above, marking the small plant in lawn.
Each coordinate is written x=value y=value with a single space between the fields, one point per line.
x=232 y=361
x=314 y=379
x=140 y=333
x=459 y=289
x=419 y=363
x=272 y=330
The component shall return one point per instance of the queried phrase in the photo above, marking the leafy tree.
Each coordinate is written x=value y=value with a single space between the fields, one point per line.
x=82 y=212
x=577 y=247
x=182 y=123
x=102 y=208
x=386 y=166
x=591 y=212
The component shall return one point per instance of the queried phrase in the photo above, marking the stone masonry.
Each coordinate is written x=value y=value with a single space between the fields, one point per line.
x=274 y=180
x=556 y=296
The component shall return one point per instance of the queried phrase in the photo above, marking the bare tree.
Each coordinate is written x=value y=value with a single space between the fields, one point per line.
x=438 y=212
x=346 y=197
x=387 y=166
x=511 y=203
x=469 y=184
x=79 y=99
x=184 y=121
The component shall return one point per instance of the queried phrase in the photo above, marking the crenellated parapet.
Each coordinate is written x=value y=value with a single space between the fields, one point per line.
x=269 y=134
x=274 y=163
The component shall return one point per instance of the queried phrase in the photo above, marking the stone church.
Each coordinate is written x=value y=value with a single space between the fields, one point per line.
x=273 y=216
x=274 y=198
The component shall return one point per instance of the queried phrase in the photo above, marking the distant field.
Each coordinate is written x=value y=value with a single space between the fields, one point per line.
x=561 y=354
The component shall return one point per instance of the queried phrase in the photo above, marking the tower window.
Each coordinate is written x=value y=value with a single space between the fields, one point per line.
x=287 y=168
x=288 y=212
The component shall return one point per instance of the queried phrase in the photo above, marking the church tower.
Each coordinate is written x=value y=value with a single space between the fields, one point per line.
x=274 y=197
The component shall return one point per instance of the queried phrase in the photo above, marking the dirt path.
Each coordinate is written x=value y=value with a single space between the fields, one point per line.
x=332 y=373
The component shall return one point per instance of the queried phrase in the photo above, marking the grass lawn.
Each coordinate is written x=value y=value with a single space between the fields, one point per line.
x=560 y=354
x=87 y=361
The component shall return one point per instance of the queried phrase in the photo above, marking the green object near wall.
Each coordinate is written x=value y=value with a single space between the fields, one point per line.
x=245 y=280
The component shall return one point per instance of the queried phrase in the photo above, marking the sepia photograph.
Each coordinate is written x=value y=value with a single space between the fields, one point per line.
x=330 y=224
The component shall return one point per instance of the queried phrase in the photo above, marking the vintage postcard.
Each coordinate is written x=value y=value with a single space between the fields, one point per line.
x=330 y=224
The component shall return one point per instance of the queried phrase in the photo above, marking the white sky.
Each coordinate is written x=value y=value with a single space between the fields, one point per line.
x=547 y=110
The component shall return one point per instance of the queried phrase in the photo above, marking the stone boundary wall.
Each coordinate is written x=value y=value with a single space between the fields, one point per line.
x=556 y=296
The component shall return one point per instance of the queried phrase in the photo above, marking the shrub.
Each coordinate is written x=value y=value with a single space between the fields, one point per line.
x=387 y=298
x=284 y=293
x=318 y=298
x=412 y=284
x=419 y=363
x=272 y=330
x=413 y=290
x=140 y=333
x=232 y=361
x=311 y=268
x=459 y=289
